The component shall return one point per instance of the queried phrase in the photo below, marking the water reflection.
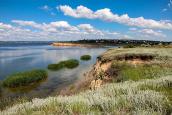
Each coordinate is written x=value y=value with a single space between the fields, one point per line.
x=17 y=59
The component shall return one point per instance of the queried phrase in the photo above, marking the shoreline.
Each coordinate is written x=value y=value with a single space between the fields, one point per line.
x=75 y=44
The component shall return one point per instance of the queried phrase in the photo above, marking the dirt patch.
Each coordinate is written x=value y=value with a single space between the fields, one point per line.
x=138 y=62
x=105 y=66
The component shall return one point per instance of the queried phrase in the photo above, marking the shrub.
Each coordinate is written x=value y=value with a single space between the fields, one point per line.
x=24 y=78
x=85 y=57
x=71 y=63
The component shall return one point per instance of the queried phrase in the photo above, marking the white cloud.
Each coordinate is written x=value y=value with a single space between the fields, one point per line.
x=89 y=29
x=60 y=24
x=59 y=30
x=5 y=26
x=80 y=12
x=62 y=30
x=52 y=26
x=106 y=15
x=152 y=32
x=27 y=23
x=148 y=32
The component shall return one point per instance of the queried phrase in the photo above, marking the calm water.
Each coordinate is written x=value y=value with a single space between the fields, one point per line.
x=16 y=58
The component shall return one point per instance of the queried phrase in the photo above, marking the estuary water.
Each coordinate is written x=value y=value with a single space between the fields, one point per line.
x=18 y=57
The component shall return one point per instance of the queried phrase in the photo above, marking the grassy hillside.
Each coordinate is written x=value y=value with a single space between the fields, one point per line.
x=145 y=87
x=158 y=53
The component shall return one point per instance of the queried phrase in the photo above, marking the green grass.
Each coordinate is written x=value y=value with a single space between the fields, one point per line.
x=24 y=78
x=159 y=53
x=70 y=64
x=85 y=57
x=127 y=71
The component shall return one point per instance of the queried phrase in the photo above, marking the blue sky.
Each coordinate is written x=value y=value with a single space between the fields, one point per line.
x=78 y=19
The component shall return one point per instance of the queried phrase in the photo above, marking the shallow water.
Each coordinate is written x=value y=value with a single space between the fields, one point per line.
x=21 y=58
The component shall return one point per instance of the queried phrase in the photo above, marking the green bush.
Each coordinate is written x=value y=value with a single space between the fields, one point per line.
x=71 y=63
x=85 y=57
x=24 y=78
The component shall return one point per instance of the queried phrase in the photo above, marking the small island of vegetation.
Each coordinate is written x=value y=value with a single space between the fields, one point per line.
x=85 y=57
x=24 y=78
x=70 y=64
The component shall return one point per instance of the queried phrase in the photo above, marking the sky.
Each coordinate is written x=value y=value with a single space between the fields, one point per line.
x=60 y=20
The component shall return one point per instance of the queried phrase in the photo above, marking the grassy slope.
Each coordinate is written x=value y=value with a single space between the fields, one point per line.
x=141 y=96
x=161 y=52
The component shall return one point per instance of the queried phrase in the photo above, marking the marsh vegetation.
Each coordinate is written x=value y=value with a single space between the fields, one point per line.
x=70 y=64
x=24 y=78
x=85 y=57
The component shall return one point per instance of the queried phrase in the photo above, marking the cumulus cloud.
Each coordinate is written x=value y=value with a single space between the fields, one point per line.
x=62 y=30
x=63 y=25
x=5 y=26
x=148 y=32
x=152 y=32
x=106 y=15
x=80 y=12
x=59 y=30
x=27 y=23
x=90 y=29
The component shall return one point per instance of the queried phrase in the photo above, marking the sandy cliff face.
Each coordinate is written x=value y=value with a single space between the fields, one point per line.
x=92 y=79
x=65 y=44
x=73 y=44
